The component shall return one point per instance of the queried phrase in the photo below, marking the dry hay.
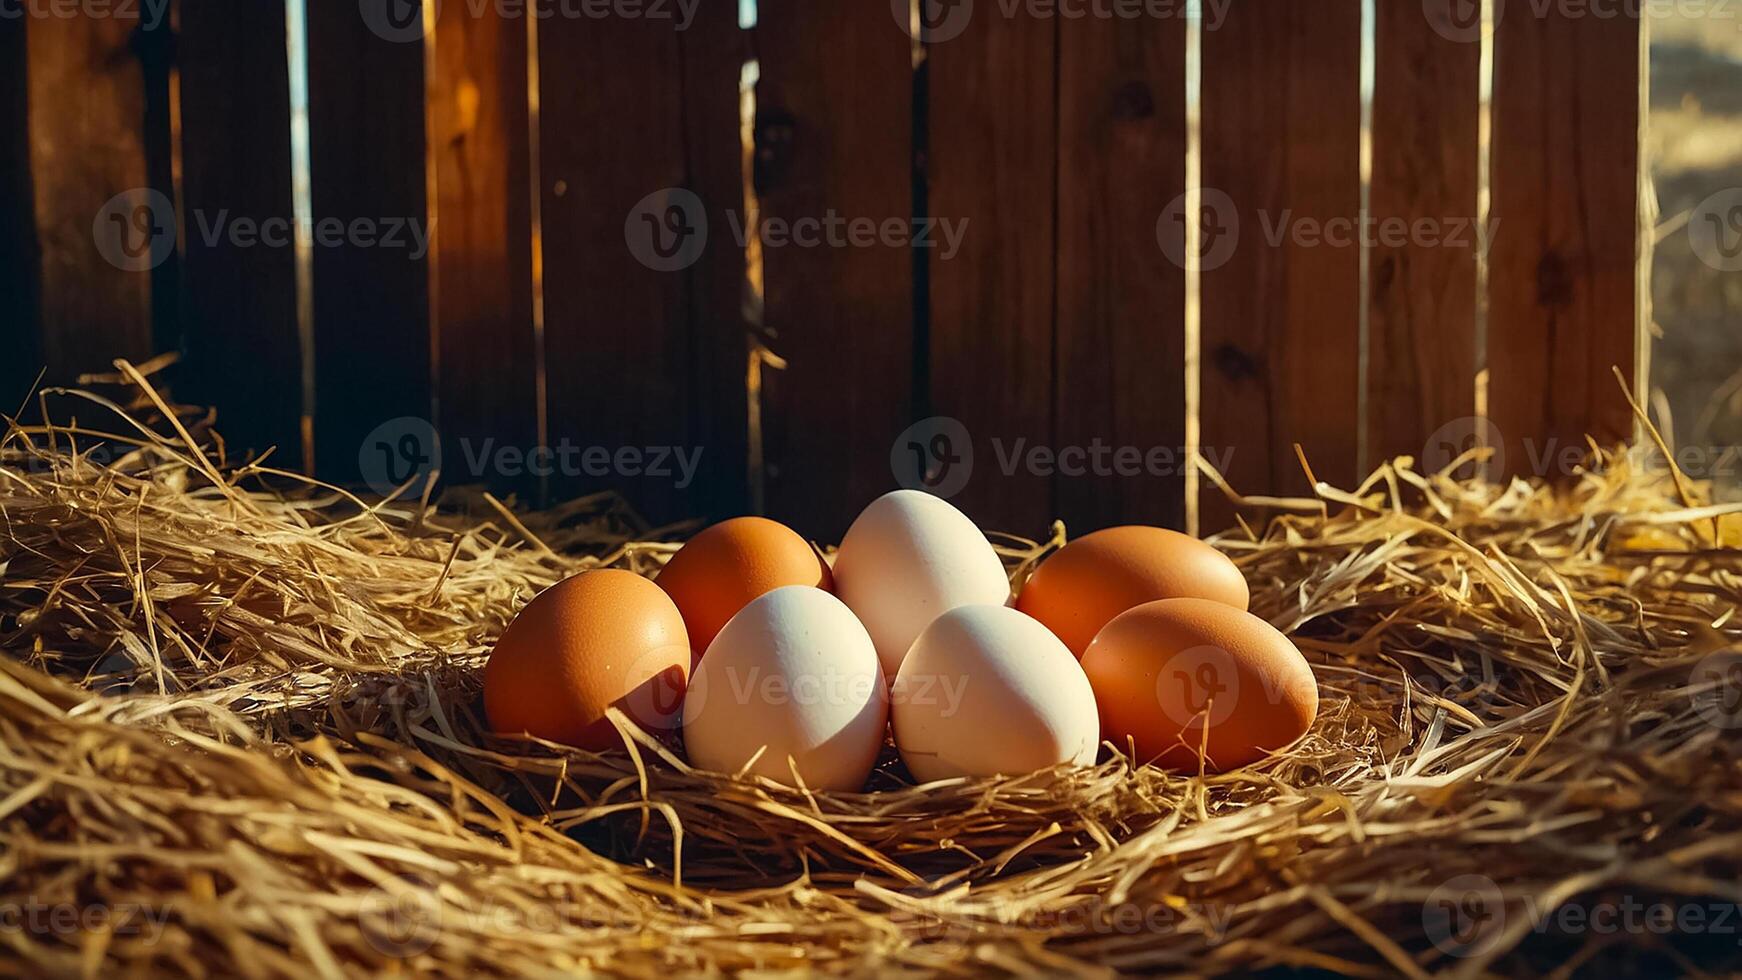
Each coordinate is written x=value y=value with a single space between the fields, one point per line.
x=240 y=734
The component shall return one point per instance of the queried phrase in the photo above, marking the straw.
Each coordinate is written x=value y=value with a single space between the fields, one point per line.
x=240 y=733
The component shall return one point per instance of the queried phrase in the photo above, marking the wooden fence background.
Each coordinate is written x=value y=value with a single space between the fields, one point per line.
x=1062 y=321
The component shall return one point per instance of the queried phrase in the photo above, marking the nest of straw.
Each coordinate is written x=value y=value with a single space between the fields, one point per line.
x=240 y=734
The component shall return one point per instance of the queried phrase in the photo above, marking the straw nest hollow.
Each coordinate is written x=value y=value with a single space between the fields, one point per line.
x=240 y=734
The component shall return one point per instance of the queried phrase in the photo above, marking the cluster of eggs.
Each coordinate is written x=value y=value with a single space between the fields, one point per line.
x=775 y=663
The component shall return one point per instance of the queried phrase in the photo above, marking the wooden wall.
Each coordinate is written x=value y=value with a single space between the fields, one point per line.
x=554 y=158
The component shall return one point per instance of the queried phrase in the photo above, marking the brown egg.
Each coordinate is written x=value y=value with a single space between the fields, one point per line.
x=602 y=638
x=1098 y=576
x=724 y=568
x=1178 y=674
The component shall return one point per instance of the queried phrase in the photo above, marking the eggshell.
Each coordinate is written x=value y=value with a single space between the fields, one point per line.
x=796 y=672
x=1098 y=576
x=1167 y=671
x=721 y=569
x=602 y=638
x=908 y=559
x=987 y=690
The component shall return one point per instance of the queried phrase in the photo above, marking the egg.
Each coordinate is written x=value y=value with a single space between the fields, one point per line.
x=987 y=690
x=909 y=558
x=721 y=569
x=1176 y=674
x=600 y=639
x=794 y=676
x=1098 y=576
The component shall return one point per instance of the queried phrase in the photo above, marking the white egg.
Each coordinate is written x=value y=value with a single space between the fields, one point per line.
x=793 y=674
x=908 y=559
x=988 y=690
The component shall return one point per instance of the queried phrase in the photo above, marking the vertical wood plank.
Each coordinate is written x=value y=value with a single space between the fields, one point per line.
x=100 y=231
x=991 y=164
x=835 y=114
x=481 y=262
x=1422 y=292
x=19 y=267
x=714 y=52
x=1280 y=333
x=1121 y=302
x=1563 y=298
x=617 y=334
x=367 y=160
x=239 y=303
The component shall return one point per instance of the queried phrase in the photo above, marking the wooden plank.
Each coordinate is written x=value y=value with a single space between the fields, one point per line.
x=1422 y=279
x=242 y=352
x=481 y=260
x=618 y=342
x=368 y=178
x=714 y=53
x=1563 y=294
x=1121 y=299
x=19 y=267
x=100 y=228
x=835 y=114
x=991 y=165
x=1280 y=335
